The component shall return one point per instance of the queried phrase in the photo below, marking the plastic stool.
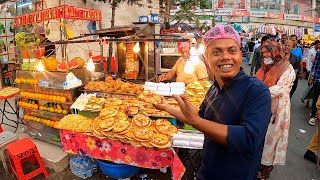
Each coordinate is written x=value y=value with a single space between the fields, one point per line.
x=22 y=151
x=6 y=137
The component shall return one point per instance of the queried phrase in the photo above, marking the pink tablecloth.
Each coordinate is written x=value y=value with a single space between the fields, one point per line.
x=118 y=152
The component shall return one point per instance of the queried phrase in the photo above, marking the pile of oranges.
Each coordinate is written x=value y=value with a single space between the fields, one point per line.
x=40 y=120
x=46 y=97
x=26 y=81
x=29 y=104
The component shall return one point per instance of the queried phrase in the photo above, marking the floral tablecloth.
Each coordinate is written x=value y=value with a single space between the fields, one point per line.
x=118 y=152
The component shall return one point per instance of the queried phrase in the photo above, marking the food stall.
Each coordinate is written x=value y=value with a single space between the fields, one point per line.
x=107 y=118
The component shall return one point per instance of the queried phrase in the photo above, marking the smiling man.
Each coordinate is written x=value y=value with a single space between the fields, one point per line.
x=234 y=115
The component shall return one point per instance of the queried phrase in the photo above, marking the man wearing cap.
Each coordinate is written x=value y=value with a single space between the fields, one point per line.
x=198 y=71
x=50 y=50
x=234 y=115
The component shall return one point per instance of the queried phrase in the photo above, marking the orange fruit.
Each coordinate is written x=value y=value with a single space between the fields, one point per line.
x=56 y=110
x=41 y=108
x=59 y=106
x=35 y=106
x=50 y=98
x=63 y=99
x=54 y=98
x=52 y=123
x=51 y=109
x=18 y=81
x=19 y=103
x=26 y=117
x=46 y=97
x=59 y=111
x=31 y=95
x=65 y=112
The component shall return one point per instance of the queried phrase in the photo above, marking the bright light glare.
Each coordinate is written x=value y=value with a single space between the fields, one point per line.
x=136 y=48
x=201 y=49
x=189 y=68
x=40 y=66
x=90 y=65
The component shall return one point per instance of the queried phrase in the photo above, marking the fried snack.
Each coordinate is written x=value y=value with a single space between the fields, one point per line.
x=162 y=122
x=108 y=112
x=149 y=97
x=107 y=124
x=166 y=129
x=75 y=122
x=135 y=143
x=141 y=120
x=131 y=110
x=160 y=141
x=143 y=134
x=121 y=127
x=111 y=85
x=147 y=144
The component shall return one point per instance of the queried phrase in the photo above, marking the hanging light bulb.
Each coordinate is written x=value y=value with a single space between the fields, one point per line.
x=136 y=48
x=90 y=65
x=189 y=68
x=201 y=49
x=40 y=66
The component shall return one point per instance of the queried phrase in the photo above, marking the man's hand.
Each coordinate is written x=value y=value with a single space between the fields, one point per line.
x=162 y=77
x=163 y=105
x=188 y=110
x=310 y=82
x=301 y=75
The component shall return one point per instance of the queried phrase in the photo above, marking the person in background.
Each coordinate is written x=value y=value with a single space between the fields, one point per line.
x=257 y=45
x=234 y=132
x=256 y=60
x=251 y=45
x=278 y=74
x=50 y=50
x=297 y=51
x=199 y=73
x=311 y=153
x=294 y=60
x=314 y=79
x=284 y=38
x=308 y=92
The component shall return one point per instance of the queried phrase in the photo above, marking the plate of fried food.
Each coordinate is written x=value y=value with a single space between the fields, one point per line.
x=94 y=104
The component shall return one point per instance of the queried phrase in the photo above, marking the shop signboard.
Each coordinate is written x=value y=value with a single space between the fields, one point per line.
x=280 y=21
x=258 y=14
x=231 y=19
x=224 y=12
x=233 y=4
x=295 y=17
x=308 y=18
x=274 y=15
x=240 y=13
x=317 y=28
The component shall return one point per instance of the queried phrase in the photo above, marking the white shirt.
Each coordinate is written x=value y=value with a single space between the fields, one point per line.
x=256 y=46
x=310 y=58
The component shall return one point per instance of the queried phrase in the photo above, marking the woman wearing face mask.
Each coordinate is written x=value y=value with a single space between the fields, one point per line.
x=278 y=74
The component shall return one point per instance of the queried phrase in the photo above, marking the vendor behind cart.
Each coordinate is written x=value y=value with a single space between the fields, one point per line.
x=50 y=50
x=199 y=73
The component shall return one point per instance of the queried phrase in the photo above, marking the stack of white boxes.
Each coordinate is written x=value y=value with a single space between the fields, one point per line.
x=188 y=140
x=165 y=89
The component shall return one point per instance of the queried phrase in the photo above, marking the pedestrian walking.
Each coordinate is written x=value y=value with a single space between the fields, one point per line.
x=278 y=74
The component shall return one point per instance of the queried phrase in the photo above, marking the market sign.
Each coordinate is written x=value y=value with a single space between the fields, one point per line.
x=227 y=12
x=258 y=14
x=308 y=18
x=281 y=21
x=316 y=28
x=231 y=4
x=224 y=13
x=295 y=17
x=64 y=11
x=240 y=13
x=274 y=15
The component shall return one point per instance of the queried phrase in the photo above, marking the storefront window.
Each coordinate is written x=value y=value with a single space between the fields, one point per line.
x=266 y=5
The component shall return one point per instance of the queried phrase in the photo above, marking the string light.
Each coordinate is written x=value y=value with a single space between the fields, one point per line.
x=136 y=48
x=40 y=66
x=90 y=65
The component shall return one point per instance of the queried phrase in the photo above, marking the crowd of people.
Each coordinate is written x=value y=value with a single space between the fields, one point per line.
x=246 y=118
